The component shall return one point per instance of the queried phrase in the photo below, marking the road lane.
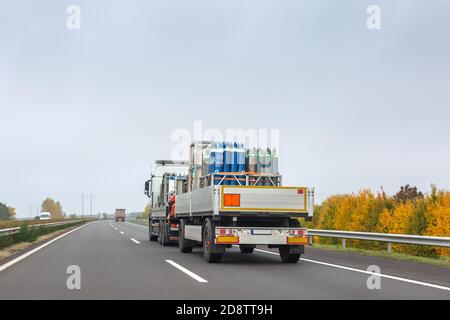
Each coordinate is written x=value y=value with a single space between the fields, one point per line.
x=407 y=269
x=112 y=267
x=299 y=280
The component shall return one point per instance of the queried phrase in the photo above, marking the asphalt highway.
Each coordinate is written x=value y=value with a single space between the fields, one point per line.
x=117 y=261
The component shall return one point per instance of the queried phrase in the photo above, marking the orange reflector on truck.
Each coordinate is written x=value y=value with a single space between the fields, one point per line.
x=297 y=240
x=232 y=200
x=227 y=240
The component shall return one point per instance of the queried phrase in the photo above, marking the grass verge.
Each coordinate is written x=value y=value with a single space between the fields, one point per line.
x=19 y=223
x=442 y=261
x=32 y=233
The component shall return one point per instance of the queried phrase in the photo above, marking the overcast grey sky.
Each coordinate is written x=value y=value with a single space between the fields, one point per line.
x=89 y=110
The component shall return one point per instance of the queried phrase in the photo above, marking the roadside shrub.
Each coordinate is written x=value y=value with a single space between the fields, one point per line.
x=29 y=233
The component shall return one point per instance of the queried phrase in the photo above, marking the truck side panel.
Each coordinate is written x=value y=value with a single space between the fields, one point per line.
x=159 y=212
x=202 y=202
x=263 y=199
x=246 y=200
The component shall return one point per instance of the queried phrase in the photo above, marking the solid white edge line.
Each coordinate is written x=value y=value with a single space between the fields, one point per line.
x=421 y=283
x=189 y=273
x=135 y=241
x=29 y=253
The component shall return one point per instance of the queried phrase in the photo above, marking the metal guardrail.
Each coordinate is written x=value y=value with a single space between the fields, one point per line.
x=9 y=231
x=383 y=237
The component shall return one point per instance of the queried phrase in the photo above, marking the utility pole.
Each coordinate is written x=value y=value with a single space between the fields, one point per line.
x=83 y=196
x=82 y=205
x=91 y=196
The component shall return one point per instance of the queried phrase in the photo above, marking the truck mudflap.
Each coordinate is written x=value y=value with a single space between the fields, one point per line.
x=261 y=236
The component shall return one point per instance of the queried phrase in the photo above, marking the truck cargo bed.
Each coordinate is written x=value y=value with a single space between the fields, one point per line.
x=246 y=200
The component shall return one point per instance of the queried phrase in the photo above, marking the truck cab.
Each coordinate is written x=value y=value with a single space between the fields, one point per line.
x=168 y=180
x=120 y=215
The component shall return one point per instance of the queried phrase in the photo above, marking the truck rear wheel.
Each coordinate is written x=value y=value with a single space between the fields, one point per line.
x=288 y=254
x=246 y=249
x=151 y=236
x=163 y=235
x=212 y=252
x=160 y=235
x=184 y=244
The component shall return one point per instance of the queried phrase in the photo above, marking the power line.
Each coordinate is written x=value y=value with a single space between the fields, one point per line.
x=82 y=204
x=91 y=196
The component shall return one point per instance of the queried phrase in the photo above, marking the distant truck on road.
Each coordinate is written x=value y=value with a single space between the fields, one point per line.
x=227 y=195
x=120 y=215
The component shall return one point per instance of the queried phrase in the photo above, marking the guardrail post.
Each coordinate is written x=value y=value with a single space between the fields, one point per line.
x=389 y=247
x=310 y=240
x=344 y=242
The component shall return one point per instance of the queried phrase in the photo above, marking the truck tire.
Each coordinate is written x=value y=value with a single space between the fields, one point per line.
x=163 y=234
x=152 y=237
x=287 y=256
x=212 y=252
x=185 y=245
x=246 y=249
x=160 y=233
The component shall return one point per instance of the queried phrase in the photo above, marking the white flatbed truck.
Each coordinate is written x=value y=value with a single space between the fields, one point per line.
x=217 y=216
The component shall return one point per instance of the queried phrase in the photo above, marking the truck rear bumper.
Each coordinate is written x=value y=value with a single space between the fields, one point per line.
x=261 y=236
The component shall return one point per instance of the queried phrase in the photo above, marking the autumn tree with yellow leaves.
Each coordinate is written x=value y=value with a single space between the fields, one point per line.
x=409 y=211
x=438 y=218
x=49 y=205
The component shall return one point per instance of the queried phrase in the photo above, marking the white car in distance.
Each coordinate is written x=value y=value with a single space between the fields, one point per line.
x=45 y=216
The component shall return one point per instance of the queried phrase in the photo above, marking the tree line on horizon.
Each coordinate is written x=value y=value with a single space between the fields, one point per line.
x=48 y=205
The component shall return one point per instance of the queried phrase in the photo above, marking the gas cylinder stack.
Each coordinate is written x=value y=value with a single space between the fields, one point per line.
x=230 y=164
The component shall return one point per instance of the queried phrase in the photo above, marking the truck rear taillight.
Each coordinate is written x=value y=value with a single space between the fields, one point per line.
x=297 y=232
x=224 y=231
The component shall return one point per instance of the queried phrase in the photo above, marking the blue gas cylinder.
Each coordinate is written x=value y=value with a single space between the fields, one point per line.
x=235 y=161
x=227 y=160
x=240 y=157
x=218 y=165
x=212 y=159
